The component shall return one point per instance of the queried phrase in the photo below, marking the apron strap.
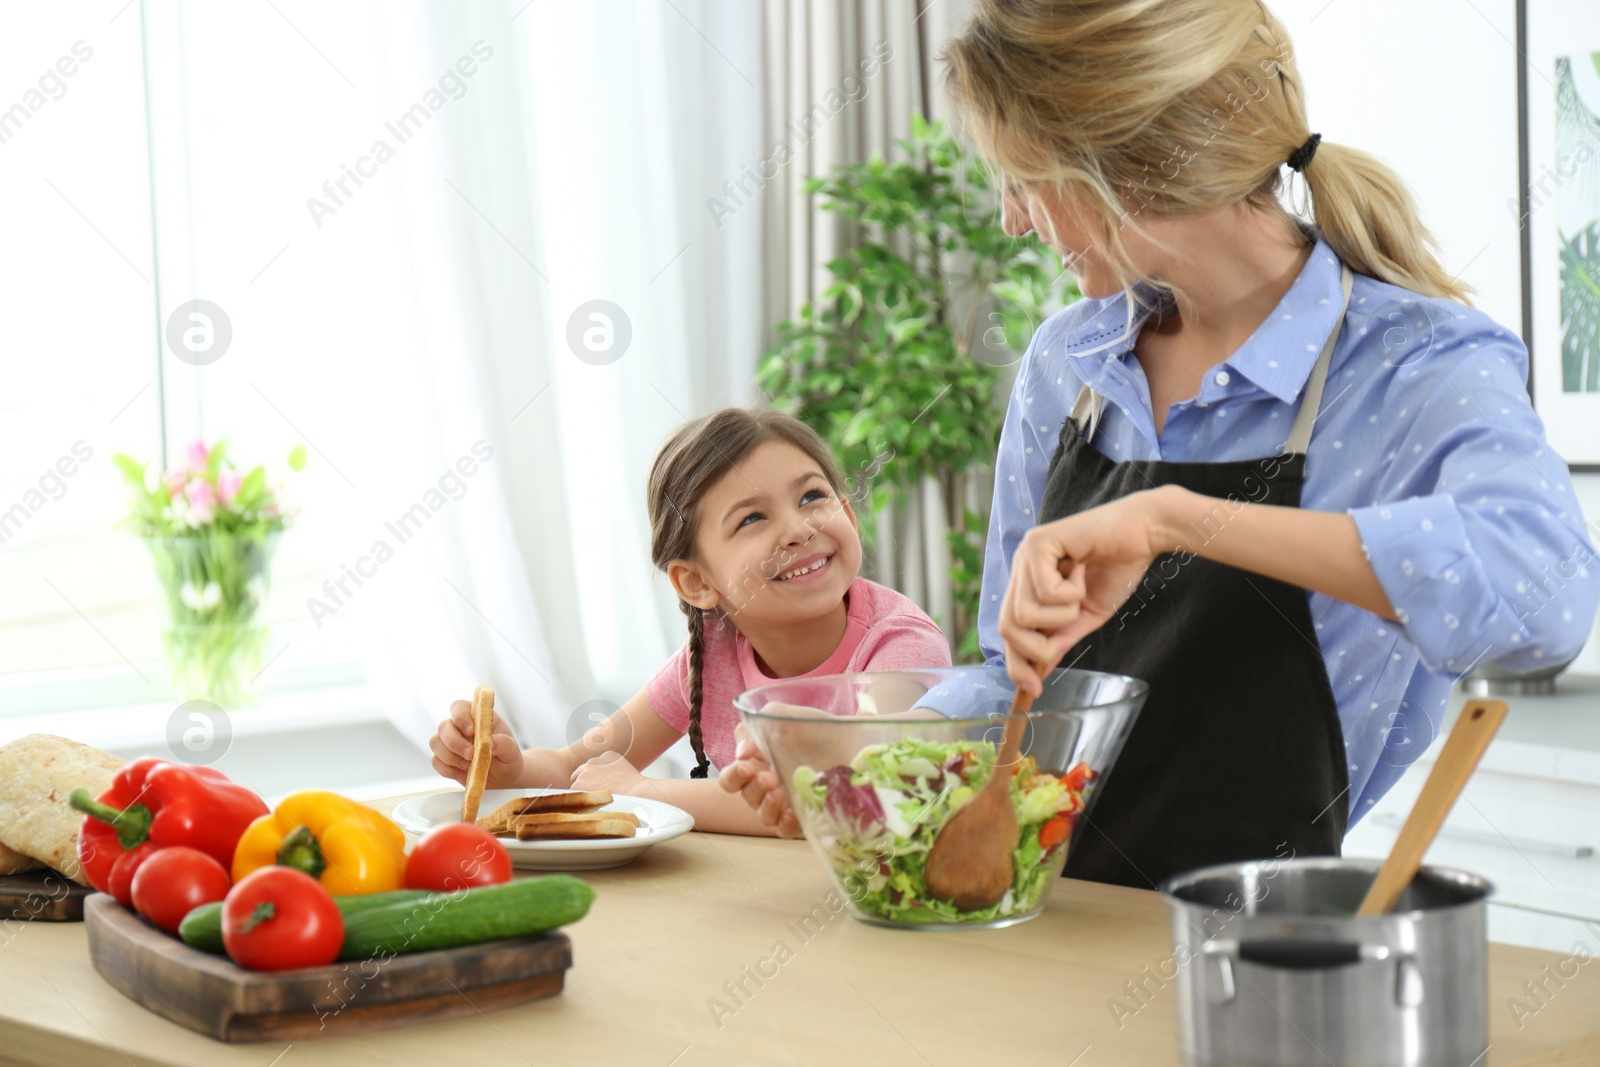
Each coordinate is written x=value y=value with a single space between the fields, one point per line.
x=1086 y=409
x=1311 y=400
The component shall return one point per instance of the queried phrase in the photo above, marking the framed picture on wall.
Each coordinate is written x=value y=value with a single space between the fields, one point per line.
x=1558 y=93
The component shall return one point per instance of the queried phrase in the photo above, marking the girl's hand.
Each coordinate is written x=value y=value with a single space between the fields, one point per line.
x=611 y=771
x=752 y=776
x=545 y=768
x=452 y=749
x=1109 y=549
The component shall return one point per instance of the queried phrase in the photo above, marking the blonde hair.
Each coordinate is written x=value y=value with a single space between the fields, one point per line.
x=1178 y=107
x=693 y=460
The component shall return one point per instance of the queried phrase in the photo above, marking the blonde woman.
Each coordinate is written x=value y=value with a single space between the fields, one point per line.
x=1292 y=477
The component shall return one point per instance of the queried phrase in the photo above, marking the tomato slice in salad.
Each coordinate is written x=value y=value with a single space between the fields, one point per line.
x=1054 y=832
x=1078 y=777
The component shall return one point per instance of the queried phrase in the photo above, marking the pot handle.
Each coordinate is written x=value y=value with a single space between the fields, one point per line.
x=1297 y=954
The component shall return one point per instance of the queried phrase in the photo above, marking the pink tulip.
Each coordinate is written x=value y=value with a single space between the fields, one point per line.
x=174 y=480
x=228 y=482
x=199 y=455
x=202 y=499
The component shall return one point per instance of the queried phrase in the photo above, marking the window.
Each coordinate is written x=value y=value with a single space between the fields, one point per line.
x=238 y=141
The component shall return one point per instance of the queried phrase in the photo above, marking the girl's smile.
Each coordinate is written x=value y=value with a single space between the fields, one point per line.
x=811 y=569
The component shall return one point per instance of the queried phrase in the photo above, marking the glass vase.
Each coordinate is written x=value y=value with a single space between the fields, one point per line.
x=215 y=581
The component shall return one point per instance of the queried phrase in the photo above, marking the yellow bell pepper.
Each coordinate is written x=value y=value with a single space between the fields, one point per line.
x=346 y=846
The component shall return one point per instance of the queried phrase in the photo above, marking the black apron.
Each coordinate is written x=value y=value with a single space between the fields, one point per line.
x=1238 y=753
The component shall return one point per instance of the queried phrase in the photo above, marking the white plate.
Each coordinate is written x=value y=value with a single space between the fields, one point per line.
x=658 y=821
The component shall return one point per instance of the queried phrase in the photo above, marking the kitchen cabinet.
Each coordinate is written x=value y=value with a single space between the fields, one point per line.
x=714 y=949
x=1528 y=820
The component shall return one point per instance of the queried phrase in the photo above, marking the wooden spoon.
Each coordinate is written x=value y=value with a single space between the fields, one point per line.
x=970 y=863
x=1473 y=731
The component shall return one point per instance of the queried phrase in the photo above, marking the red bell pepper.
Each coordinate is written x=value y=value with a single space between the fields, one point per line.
x=163 y=803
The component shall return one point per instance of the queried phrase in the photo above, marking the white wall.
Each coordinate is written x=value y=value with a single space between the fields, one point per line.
x=1431 y=89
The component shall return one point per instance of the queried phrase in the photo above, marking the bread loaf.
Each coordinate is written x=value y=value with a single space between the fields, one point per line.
x=37 y=776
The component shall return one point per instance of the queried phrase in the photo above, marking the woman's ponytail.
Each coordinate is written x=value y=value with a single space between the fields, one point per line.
x=1368 y=216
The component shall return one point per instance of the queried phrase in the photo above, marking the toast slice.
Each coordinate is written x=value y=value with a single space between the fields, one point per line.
x=499 y=820
x=570 y=817
x=576 y=801
x=482 y=744
x=576 y=827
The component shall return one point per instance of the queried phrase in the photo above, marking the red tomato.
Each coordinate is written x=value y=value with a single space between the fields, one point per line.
x=123 y=868
x=1054 y=832
x=276 y=918
x=173 y=881
x=455 y=856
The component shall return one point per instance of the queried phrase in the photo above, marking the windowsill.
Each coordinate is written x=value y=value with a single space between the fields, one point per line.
x=384 y=765
x=146 y=725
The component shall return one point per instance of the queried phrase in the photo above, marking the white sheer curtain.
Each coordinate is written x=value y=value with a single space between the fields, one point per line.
x=422 y=323
x=468 y=606
x=580 y=176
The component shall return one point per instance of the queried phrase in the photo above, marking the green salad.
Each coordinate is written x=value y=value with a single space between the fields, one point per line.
x=877 y=817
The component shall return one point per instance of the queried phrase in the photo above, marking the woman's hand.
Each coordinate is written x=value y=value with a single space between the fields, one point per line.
x=611 y=771
x=752 y=776
x=1108 y=549
x=452 y=749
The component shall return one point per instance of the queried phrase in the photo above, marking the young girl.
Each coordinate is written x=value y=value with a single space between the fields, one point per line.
x=748 y=524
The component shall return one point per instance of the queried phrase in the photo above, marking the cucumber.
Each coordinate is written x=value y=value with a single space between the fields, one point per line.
x=202 y=927
x=521 y=908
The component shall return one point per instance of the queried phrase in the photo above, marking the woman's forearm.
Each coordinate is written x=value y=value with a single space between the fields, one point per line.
x=1317 y=550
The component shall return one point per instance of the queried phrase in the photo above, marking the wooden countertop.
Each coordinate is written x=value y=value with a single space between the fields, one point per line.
x=672 y=934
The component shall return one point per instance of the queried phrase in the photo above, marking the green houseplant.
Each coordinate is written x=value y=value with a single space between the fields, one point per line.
x=212 y=531
x=898 y=363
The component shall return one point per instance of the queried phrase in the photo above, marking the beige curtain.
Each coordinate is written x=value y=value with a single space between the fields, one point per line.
x=841 y=79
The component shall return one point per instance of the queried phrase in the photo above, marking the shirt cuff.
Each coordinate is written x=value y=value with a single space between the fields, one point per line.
x=964 y=696
x=1441 y=595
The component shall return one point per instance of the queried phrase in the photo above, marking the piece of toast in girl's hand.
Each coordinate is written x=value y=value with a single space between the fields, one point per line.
x=482 y=749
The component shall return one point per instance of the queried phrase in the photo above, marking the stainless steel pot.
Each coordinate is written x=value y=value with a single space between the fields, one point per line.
x=1274 y=970
x=1493 y=680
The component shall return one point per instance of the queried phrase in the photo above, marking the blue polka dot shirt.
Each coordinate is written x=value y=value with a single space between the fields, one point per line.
x=1426 y=438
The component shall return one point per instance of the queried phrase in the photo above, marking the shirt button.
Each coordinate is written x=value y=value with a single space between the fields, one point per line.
x=1221 y=378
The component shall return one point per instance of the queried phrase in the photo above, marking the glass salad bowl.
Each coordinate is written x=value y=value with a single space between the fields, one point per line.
x=875 y=763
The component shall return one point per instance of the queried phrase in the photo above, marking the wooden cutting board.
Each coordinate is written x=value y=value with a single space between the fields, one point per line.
x=213 y=996
x=42 y=896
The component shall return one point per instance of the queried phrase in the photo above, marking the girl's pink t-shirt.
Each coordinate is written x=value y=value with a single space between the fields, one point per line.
x=884 y=631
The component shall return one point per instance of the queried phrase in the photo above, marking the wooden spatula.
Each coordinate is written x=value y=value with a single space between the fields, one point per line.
x=970 y=862
x=1468 y=738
